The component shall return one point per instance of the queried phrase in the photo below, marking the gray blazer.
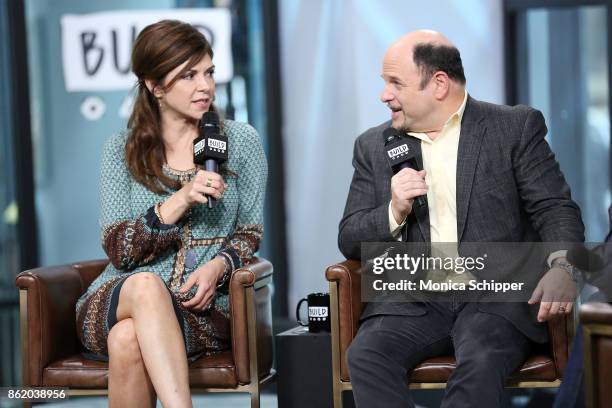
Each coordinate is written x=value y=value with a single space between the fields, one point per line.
x=509 y=189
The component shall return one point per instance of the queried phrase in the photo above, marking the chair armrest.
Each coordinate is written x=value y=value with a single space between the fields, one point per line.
x=252 y=273
x=256 y=276
x=561 y=333
x=596 y=313
x=348 y=285
x=90 y=270
x=48 y=298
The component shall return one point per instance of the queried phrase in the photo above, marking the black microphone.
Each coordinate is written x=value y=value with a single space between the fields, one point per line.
x=400 y=156
x=210 y=147
x=585 y=259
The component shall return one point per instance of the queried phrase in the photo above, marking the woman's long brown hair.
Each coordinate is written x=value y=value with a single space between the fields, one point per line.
x=159 y=48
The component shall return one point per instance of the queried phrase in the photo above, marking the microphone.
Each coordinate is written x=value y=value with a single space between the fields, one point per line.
x=210 y=147
x=400 y=157
x=585 y=259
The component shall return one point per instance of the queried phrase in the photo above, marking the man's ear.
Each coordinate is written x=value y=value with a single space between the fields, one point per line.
x=442 y=84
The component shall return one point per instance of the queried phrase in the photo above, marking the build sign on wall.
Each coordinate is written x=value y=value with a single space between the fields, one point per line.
x=96 y=47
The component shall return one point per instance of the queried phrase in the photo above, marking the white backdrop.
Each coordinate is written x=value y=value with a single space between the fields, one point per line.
x=331 y=54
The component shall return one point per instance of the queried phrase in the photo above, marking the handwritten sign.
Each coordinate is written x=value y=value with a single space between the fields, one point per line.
x=96 y=47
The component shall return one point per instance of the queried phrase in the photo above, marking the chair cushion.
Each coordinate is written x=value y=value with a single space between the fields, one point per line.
x=437 y=370
x=79 y=372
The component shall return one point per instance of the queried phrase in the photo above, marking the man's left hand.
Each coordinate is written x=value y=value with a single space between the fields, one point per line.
x=556 y=291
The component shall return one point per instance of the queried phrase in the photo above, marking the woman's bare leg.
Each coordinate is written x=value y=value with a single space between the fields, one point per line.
x=128 y=380
x=145 y=300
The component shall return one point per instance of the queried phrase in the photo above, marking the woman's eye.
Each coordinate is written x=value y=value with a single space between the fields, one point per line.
x=188 y=76
x=211 y=73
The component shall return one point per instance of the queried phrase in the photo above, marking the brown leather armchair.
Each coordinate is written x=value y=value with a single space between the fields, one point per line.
x=51 y=351
x=540 y=370
x=596 y=321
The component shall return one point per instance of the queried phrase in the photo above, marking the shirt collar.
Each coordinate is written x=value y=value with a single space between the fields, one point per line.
x=458 y=116
x=459 y=113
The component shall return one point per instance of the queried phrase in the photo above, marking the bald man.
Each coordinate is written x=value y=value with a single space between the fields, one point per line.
x=489 y=176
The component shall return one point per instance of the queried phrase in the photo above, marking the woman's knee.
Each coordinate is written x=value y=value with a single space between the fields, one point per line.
x=144 y=287
x=123 y=344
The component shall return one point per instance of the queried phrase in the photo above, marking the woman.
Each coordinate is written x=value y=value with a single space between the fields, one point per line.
x=164 y=296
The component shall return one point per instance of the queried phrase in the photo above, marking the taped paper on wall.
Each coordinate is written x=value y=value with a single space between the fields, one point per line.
x=96 y=47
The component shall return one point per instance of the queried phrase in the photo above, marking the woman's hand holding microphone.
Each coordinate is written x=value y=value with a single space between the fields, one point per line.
x=203 y=185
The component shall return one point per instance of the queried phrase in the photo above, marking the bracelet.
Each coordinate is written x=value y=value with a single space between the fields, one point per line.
x=228 y=269
x=562 y=263
x=158 y=212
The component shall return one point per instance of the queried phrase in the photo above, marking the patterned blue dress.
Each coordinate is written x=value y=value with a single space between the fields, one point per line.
x=135 y=240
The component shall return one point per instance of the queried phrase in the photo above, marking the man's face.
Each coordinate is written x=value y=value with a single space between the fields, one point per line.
x=410 y=106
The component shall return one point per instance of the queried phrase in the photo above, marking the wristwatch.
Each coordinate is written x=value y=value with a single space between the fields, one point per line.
x=562 y=263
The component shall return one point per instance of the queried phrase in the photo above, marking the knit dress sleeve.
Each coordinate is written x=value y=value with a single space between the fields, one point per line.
x=252 y=173
x=130 y=240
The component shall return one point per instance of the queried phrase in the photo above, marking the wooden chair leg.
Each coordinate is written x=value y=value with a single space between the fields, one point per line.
x=252 y=336
x=255 y=397
x=335 y=343
x=24 y=333
x=337 y=396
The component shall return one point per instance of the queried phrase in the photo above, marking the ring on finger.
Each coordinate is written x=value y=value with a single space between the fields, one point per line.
x=209 y=183
x=562 y=309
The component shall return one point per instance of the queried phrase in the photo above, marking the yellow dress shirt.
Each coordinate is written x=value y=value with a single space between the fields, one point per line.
x=440 y=163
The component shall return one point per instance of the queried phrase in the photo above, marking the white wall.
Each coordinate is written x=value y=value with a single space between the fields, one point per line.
x=331 y=54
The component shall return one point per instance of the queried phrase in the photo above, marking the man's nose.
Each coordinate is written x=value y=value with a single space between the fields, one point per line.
x=386 y=96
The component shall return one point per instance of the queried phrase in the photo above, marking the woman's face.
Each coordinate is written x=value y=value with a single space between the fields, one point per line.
x=192 y=93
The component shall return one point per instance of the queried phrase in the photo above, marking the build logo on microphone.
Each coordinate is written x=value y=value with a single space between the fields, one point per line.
x=198 y=147
x=217 y=145
x=398 y=151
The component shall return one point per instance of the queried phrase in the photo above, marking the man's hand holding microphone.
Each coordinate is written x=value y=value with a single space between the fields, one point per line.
x=408 y=188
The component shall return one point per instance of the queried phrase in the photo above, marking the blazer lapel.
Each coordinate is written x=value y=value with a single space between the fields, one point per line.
x=472 y=131
x=421 y=215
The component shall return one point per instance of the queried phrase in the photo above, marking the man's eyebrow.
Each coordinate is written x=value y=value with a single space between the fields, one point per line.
x=390 y=77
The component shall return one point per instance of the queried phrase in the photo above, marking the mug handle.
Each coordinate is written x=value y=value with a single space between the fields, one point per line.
x=297 y=312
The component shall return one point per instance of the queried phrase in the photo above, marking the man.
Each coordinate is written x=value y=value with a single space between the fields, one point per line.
x=488 y=175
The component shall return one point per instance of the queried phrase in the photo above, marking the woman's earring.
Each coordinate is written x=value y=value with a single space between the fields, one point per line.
x=160 y=96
